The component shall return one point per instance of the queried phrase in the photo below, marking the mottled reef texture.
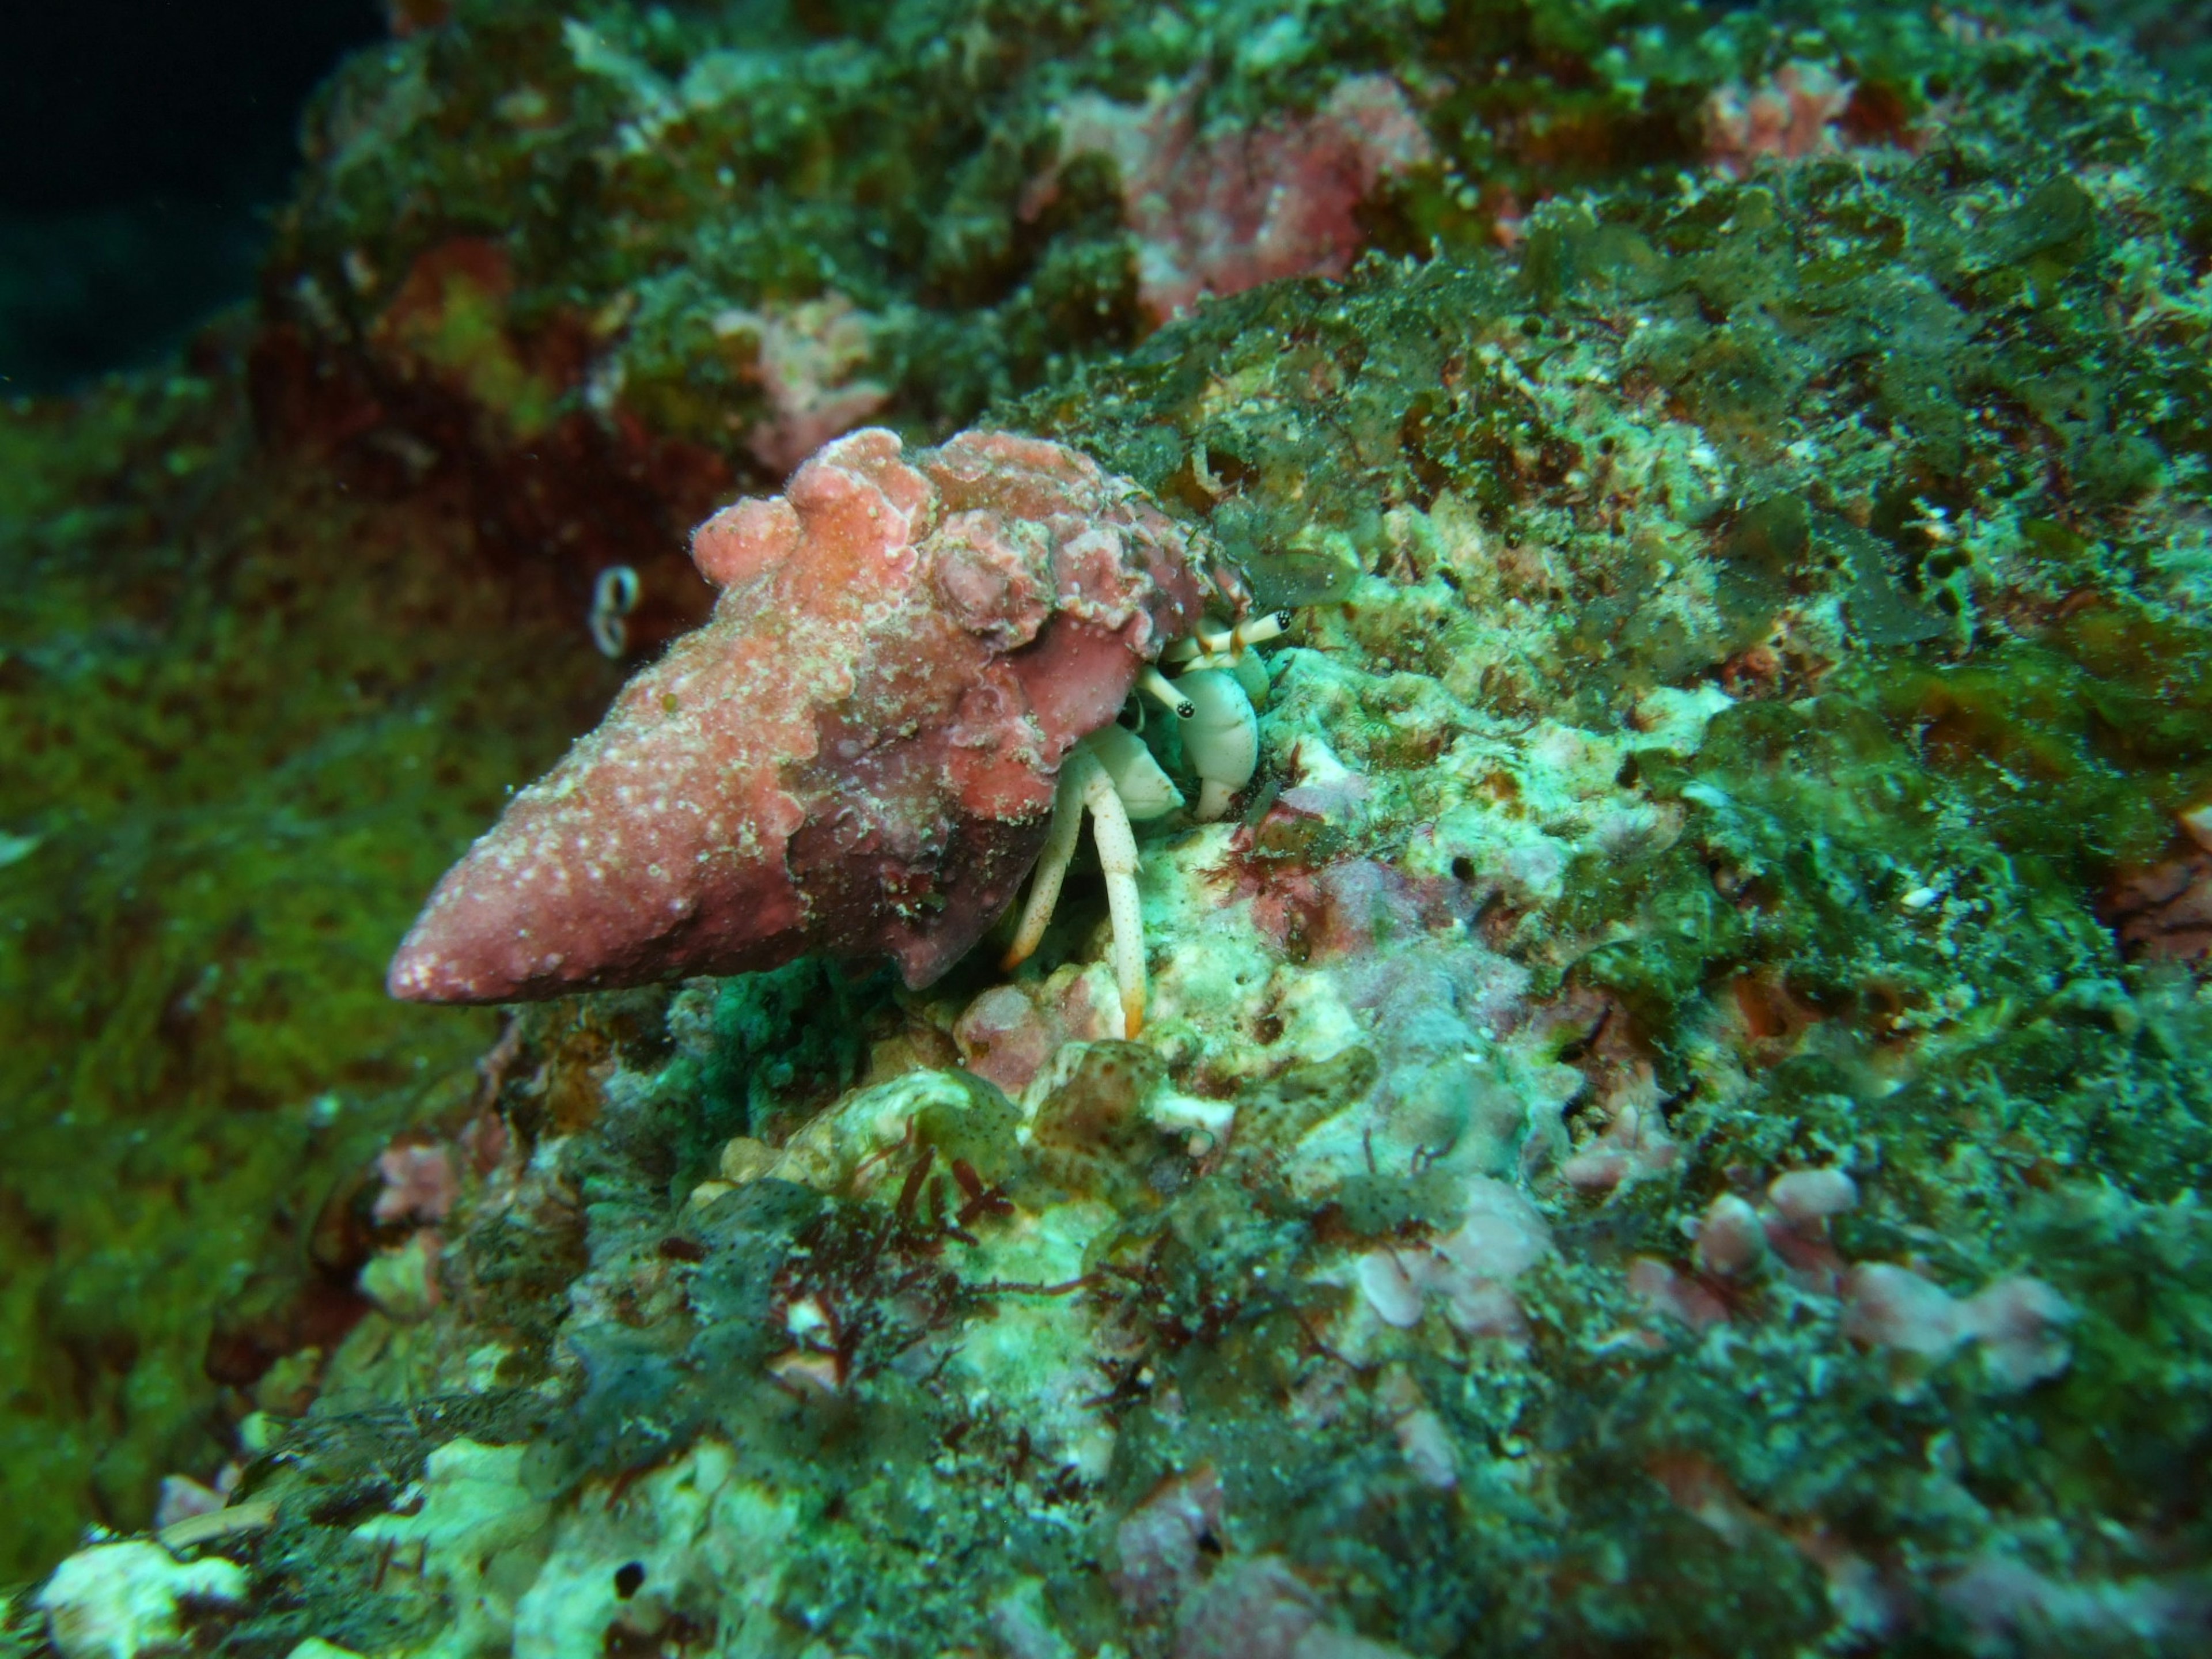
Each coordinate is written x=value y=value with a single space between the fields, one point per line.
x=248 y=716
x=1672 y=1116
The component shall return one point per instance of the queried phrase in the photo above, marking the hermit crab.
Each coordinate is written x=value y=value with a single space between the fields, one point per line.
x=907 y=697
x=1112 y=776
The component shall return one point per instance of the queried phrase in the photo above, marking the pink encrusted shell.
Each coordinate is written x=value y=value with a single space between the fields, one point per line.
x=855 y=756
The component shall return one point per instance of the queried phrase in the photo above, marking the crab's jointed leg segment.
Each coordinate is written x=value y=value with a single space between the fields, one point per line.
x=1051 y=869
x=1117 y=856
x=1087 y=785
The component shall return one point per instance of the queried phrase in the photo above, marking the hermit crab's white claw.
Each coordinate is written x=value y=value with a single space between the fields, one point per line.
x=1146 y=791
x=1221 y=738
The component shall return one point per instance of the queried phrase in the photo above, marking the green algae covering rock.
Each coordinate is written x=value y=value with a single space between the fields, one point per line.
x=233 y=700
x=604 y=262
x=1672 y=1106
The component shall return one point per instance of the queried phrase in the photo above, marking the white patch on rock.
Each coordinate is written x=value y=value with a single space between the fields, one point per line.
x=475 y=1538
x=119 y=1601
x=690 y=1540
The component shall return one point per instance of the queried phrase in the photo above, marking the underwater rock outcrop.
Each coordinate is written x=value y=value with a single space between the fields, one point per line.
x=1671 y=1120
x=683 y=247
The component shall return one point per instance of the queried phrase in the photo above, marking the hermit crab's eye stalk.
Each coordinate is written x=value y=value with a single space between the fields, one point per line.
x=1215 y=646
x=1162 y=689
x=1256 y=630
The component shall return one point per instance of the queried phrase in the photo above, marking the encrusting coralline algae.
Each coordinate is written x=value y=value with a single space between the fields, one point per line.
x=1669 y=1111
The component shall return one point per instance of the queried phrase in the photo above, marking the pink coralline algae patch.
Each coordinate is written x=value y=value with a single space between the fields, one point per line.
x=1163 y=1541
x=1731 y=1238
x=1633 y=1143
x=1012 y=1032
x=1790 y=115
x=1244 y=1608
x=1806 y=1200
x=1257 y=1607
x=2019 y=1323
x=808 y=363
x=855 y=756
x=418 y=1184
x=1736 y=1240
x=1677 y=1296
x=1005 y=1038
x=1800 y=1206
x=1219 y=211
x=1469 y=1271
x=2165 y=913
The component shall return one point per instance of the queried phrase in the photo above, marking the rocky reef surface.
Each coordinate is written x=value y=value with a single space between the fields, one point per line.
x=1671 y=1111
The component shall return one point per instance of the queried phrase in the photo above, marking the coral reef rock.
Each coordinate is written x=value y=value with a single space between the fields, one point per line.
x=1674 y=1105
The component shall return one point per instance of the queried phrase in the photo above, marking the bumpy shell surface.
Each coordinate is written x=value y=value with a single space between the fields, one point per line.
x=855 y=756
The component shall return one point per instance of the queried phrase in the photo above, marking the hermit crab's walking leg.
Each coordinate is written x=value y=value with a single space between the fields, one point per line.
x=1051 y=865
x=1113 y=776
x=1117 y=856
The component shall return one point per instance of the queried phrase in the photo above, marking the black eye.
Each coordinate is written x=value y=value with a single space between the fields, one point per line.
x=1282 y=619
x=1185 y=710
x=628 y=1578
